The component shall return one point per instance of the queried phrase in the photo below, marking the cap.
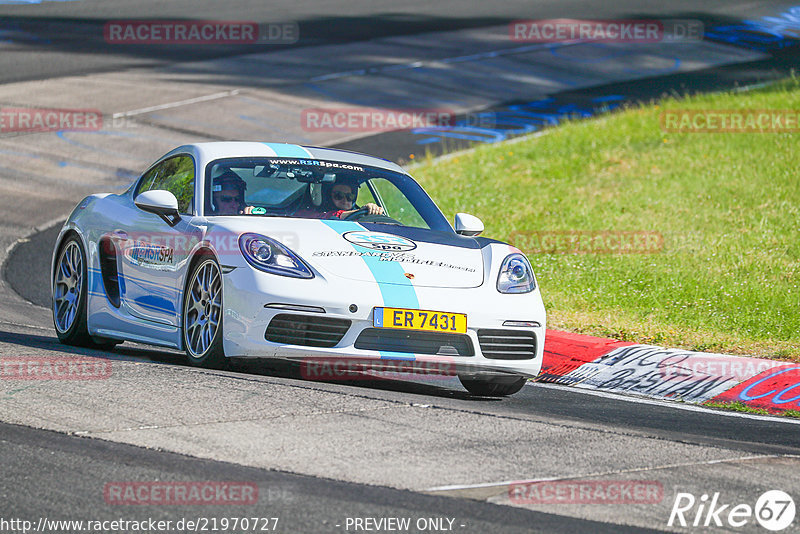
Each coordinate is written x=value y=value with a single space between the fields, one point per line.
x=229 y=180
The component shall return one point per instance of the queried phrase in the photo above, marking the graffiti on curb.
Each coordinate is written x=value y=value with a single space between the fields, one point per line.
x=665 y=373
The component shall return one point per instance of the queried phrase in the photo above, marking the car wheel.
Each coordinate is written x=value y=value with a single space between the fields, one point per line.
x=493 y=386
x=69 y=294
x=202 y=316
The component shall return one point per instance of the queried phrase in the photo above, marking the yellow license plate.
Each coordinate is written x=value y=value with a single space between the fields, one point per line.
x=429 y=321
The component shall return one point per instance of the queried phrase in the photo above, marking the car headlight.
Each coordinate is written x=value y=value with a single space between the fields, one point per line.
x=268 y=255
x=516 y=275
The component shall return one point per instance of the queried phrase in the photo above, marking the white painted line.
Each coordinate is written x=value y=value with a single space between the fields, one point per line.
x=451 y=155
x=607 y=473
x=341 y=411
x=455 y=59
x=35 y=327
x=667 y=404
x=179 y=103
x=510 y=51
x=596 y=119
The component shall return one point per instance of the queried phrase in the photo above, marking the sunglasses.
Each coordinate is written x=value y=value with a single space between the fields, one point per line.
x=338 y=195
x=226 y=198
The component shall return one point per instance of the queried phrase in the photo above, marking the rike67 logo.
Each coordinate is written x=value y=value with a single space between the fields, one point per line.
x=774 y=510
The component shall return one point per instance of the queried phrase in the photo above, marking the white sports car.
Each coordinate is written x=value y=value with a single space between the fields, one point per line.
x=267 y=250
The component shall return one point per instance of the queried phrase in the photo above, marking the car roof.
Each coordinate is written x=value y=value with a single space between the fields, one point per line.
x=211 y=151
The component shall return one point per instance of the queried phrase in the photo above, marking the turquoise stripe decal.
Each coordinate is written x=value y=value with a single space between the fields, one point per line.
x=398 y=294
x=289 y=151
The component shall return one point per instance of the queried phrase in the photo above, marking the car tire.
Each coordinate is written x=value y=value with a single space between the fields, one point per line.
x=494 y=386
x=69 y=290
x=201 y=320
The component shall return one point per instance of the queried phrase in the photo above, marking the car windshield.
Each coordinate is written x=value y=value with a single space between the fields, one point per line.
x=314 y=189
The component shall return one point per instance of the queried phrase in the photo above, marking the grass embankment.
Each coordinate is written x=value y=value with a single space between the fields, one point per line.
x=744 y=408
x=726 y=204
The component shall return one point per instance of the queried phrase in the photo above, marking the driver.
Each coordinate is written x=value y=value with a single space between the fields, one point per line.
x=227 y=194
x=343 y=199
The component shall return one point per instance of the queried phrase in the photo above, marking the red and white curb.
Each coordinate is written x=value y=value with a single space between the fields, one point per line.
x=607 y=365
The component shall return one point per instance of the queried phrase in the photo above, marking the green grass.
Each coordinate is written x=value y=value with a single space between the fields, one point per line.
x=727 y=205
x=744 y=408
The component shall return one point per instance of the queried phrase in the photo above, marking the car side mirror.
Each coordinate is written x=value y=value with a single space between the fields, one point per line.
x=467 y=224
x=162 y=203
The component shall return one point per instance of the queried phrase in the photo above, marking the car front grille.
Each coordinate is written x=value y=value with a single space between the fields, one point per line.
x=507 y=344
x=306 y=330
x=415 y=342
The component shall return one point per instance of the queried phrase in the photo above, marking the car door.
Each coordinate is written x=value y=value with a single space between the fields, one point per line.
x=154 y=252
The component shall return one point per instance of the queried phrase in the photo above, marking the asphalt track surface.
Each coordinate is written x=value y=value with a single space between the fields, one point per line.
x=322 y=452
x=56 y=476
x=298 y=502
x=57 y=38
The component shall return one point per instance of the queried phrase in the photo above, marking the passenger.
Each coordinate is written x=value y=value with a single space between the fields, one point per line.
x=340 y=201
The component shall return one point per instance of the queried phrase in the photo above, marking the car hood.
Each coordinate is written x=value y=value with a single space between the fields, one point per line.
x=387 y=254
